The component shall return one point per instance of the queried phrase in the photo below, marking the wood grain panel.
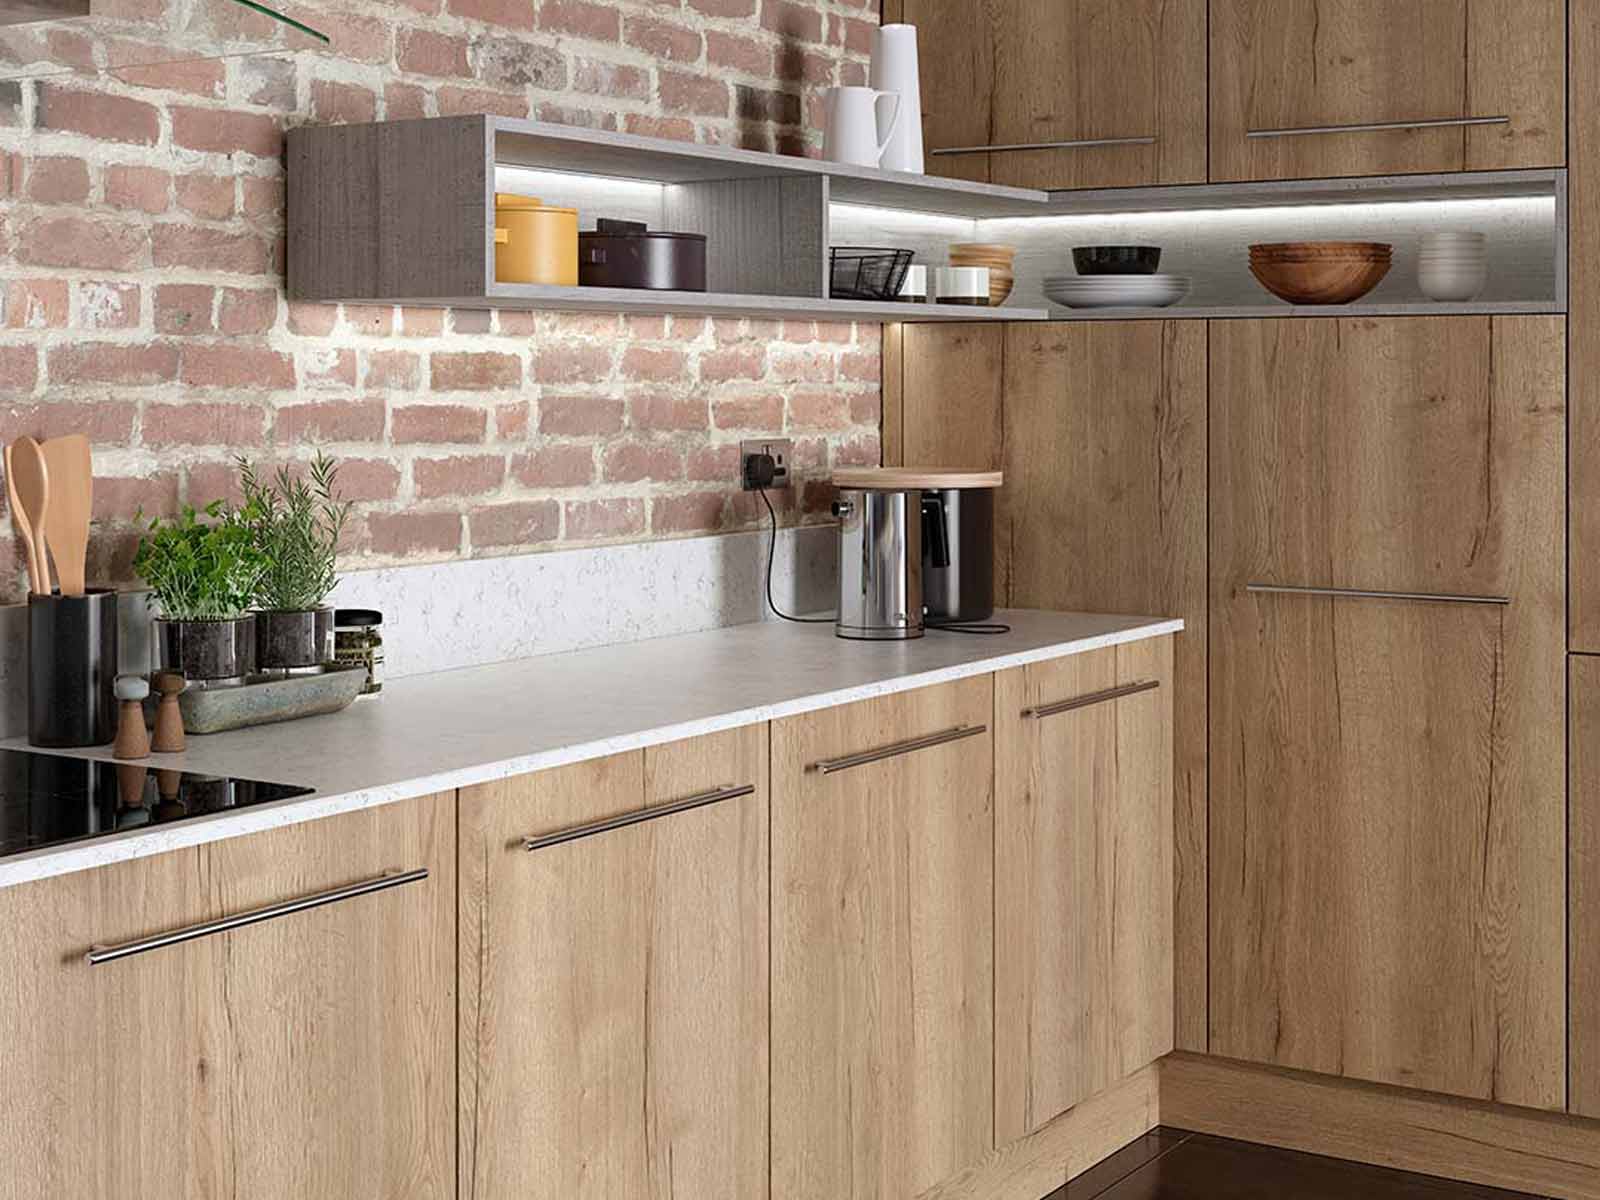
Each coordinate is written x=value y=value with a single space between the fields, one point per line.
x=1519 y=1149
x=1104 y=510
x=1583 y=875
x=882 y=928
x=949 y=380
x=304 y=1056
x=1278 y=64
x=955 y=42
x=1387 y=815
x=1583 y=283
x=767 y=237
x=1083 y=882
x=614 y=987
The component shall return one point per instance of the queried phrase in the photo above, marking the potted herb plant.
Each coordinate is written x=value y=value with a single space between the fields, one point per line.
x=203 y=575
x=296 y=522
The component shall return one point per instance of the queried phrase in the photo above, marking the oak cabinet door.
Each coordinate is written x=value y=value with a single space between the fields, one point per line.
x=1285 y=72
x=1584 y=881
x=1388 y=781
x=882 y=918
x=1021 y=73
x=1083 y=878
x=614 y=979
x=305 y=1055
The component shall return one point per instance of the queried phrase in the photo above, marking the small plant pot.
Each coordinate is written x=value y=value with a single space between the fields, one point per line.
x=207 y=653
x=287 y=641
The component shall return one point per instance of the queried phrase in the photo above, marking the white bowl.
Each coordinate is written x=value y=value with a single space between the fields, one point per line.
x=1116 y=291
x=1455 y=284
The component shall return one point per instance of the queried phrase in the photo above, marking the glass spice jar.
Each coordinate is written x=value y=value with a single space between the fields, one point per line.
x=358 y=642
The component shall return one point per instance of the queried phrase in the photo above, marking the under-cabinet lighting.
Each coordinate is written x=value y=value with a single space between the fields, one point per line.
x=558 y=182
x=1525 y=208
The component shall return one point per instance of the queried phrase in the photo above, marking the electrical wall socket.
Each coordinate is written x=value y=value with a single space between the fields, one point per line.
x=782 y=451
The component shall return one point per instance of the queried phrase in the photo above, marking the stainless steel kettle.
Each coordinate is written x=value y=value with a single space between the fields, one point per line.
x=880 y=563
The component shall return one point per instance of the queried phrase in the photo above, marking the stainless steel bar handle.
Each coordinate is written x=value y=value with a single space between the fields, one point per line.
x=1092 y=698
x=829 y=766
x=104 y=954
x=715 y=796
x=1360 y=594
x=1077 y=144
x=1375 y=127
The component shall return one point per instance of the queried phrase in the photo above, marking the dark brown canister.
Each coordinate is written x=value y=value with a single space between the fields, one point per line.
x=625 y=254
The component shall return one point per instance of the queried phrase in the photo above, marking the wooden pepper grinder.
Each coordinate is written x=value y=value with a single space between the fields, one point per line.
x=133 y=740
x=169 y=717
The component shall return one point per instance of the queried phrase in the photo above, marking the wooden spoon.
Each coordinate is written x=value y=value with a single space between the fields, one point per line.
x=29 y=481
x=66 y=524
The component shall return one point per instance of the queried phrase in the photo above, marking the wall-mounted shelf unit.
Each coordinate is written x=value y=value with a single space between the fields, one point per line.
x=403 y=212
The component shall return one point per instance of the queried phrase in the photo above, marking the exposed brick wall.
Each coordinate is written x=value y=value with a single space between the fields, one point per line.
x=141 y=227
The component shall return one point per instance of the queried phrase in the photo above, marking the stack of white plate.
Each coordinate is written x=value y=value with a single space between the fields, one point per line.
x=1116 y=291
x=1453 y=266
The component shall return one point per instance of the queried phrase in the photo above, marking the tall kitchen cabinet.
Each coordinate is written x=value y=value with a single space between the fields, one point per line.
x=1388 y=811
x=1305 y=89
x=1100 y=428
x=613 y=1020
x=1070 y=94
x=882 y=944
x=306 y=1054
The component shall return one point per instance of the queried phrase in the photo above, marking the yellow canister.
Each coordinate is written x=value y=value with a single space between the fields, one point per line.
x=534 y=243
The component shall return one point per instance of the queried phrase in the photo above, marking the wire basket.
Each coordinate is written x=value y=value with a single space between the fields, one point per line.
x=867 y=272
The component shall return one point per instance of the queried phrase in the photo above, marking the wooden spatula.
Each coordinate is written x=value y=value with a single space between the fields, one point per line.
x=66 y=522
x=28 y=482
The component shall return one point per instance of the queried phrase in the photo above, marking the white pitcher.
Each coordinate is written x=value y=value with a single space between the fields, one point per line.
x=894 y=69
x=852 y=131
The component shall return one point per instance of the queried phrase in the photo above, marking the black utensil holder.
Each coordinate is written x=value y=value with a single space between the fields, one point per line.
x=72 y=669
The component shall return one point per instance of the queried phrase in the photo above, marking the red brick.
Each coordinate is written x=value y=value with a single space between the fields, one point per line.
x=676 y=128
x=666 y=40
x=797 y=22
x=471 y=320
x=111 y=362
x=208 y=481
x=404 y=102
x=143 y=188
x=591 y=118
x=642 y=328
x=322 y=367
x=336 y=103
x=634 y=462
x=184 y=308
x=330 y=421
x=713 y=464
x=744 y=362
x=866 y=407
x=616 y=80
x=572 y=364
x=516 y=324
x=474 y=371
x=854 y=34
x=738 y=53
x=557 y=466
x=393 y=369
x=438 y=423
x=597 y=22
x=863 y=451
x=103 y=305
x=522 y=523
x=462 y=475
x=404 y=533
x=377 y=320
x=754 y=411
x=511 y=421
x=261 y=199
x=577 y=416
x=103 y=421
x=56 y=180
x=589 y=520
x=698 y=512
x=268 y=82
x=247 y=310
x=459 y=101
x=118 y=498
x=312 y=320
x=724 y=8
x=19 y=369
x=36 y=304
x=224 y=131
x=230 y=365
x=597 y=325
x=697 y=95
x=354 y=39
x=209 y=250
x=365 y=479
x=208 y=196
x=802 y=366
x=654 y=364
x=666 y=413
x=422 y=52
x=203 y=77
x=224 y=424
x=422 y=322
x=818 y=409
x=100 y=115
x=513 y=14
x=75 y=242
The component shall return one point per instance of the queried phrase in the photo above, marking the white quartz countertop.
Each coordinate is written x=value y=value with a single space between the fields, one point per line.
x=453 y=729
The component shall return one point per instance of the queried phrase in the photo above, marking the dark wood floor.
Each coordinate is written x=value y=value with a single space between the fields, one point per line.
x=1170 y=1164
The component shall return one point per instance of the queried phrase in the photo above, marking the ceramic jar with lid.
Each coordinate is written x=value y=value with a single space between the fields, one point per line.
x=534 y=242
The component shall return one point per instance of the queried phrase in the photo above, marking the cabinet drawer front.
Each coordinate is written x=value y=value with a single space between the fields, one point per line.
x=309 y=1053
x=1311 y=88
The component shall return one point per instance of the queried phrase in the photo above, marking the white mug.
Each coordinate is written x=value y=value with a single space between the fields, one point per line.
x=852 y=131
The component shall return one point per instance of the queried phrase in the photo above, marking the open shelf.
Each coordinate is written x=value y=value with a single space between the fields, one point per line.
x=1361 y=308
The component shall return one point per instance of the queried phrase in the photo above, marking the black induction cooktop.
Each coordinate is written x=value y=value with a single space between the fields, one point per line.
x=50 y=800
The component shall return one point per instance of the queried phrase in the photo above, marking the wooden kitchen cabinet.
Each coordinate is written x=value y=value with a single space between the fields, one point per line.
x=1388 y=810
x=1583 y=876
x=1020 y=73
x=1083 y=878
x=613 y=1027
x=307 y=1055
x=1280 y=66
x=882 y=927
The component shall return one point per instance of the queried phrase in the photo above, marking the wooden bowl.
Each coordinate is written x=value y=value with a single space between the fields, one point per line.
x=1328 y=281
x=1307 y=250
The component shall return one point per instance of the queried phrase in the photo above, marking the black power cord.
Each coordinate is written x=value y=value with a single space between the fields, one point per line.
x=772 y=553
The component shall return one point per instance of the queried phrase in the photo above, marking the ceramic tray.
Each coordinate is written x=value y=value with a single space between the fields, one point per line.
x=264 y=699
